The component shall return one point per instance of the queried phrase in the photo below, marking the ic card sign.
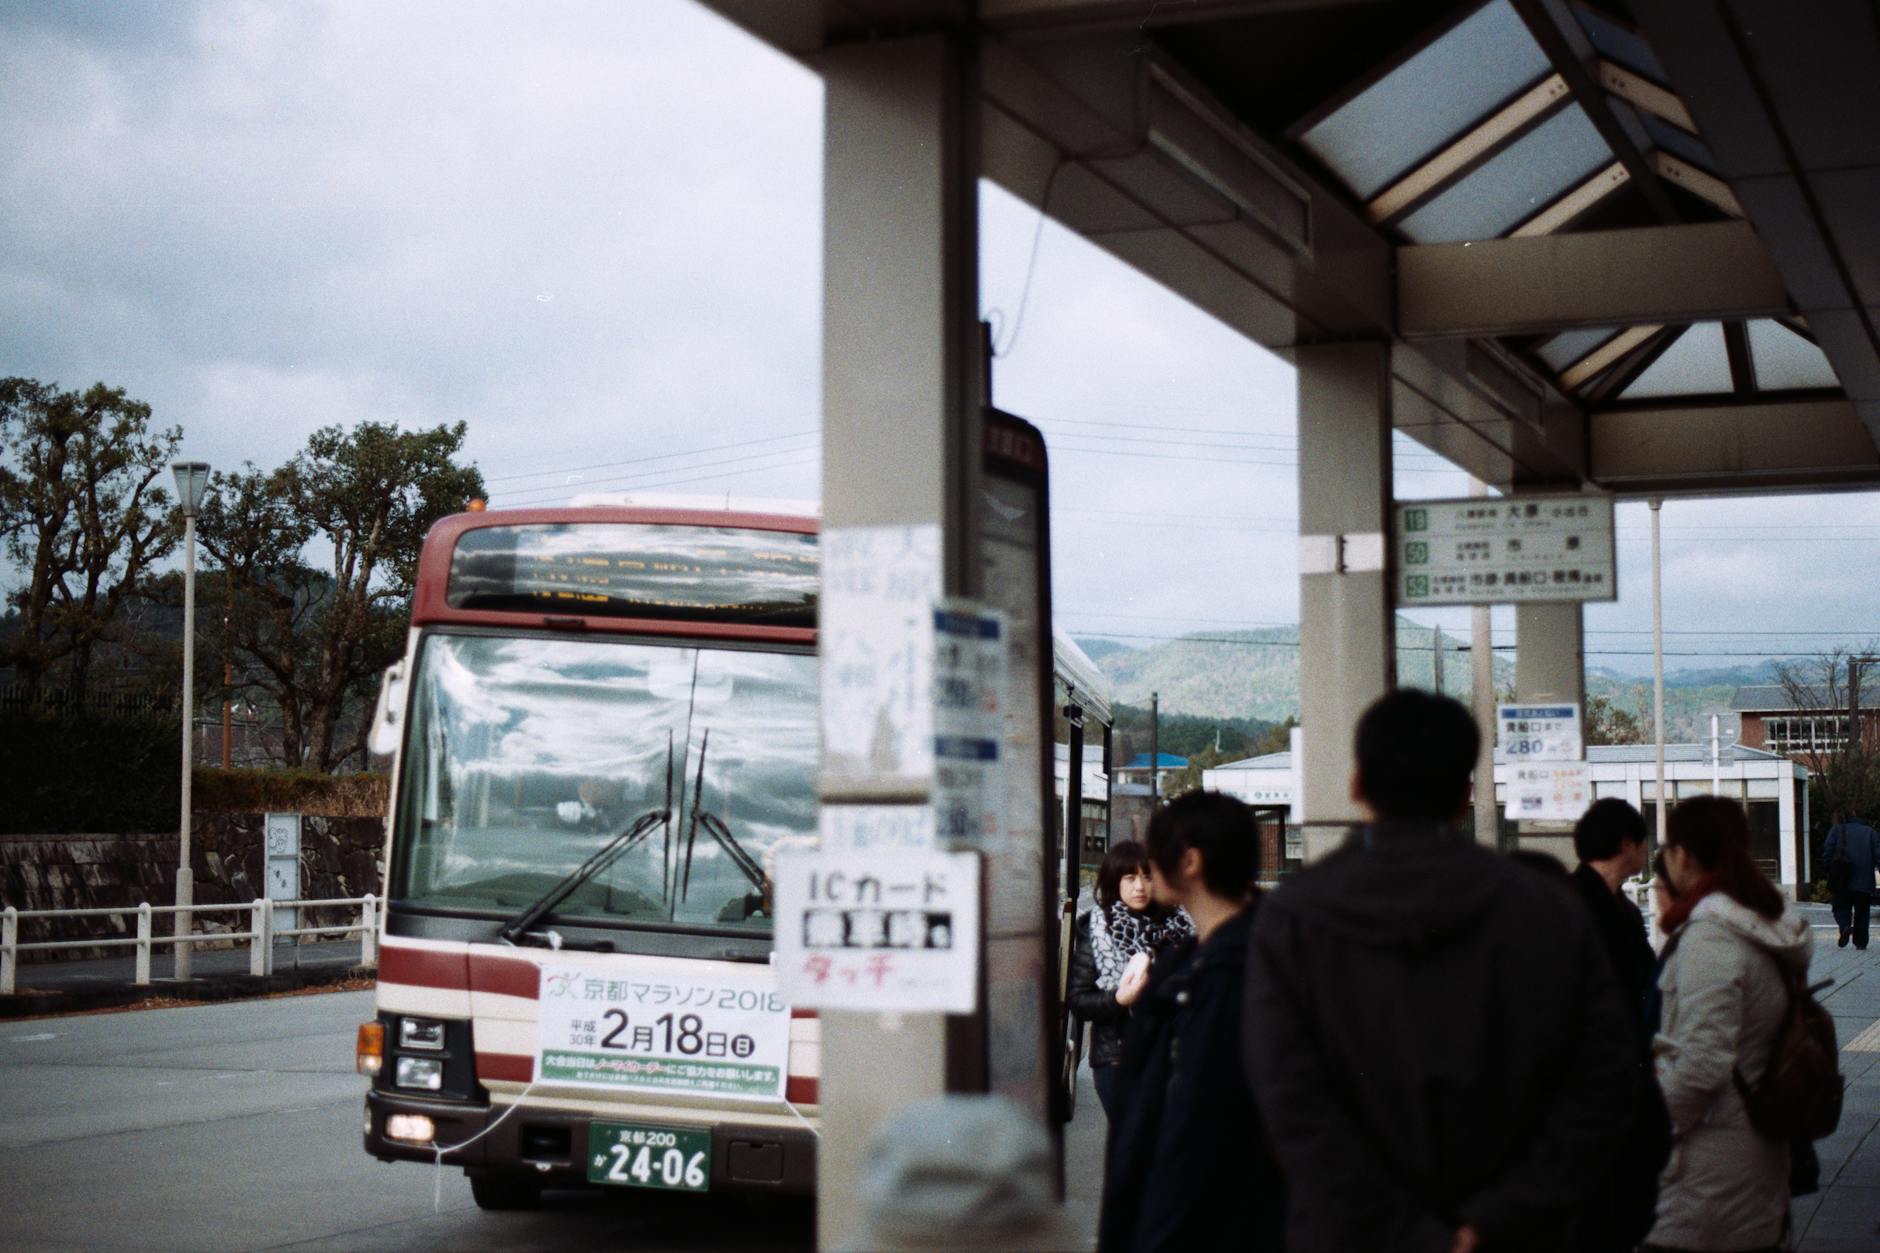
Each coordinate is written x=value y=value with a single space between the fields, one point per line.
x=1518 y=549
x=879 y=930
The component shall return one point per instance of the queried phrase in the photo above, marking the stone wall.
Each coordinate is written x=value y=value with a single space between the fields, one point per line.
x=340 y=857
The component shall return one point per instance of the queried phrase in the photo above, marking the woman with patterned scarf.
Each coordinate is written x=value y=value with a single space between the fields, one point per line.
x=1106 y=975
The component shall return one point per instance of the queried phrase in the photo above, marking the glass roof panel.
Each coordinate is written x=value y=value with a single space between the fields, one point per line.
x=1785 y=361
x=1515 y=183
x=1678 y=142
x=1619 y=45
x=1570 y=346
x=1428 y=100
x=1697 y=364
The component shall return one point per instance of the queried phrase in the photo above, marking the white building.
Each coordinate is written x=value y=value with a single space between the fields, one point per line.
x=1774 y=787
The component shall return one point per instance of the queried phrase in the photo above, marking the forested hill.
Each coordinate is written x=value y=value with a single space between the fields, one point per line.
x=1255 y=675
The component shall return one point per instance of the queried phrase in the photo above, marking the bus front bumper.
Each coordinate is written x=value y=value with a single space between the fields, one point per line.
x=551 y=1145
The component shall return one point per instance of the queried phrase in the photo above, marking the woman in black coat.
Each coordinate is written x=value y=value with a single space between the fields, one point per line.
x=1188 y=1166
x=1107 y=975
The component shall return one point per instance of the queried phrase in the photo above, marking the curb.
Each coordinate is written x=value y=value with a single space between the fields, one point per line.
x=34 y=1003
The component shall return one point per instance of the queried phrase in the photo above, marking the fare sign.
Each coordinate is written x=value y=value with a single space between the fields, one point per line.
x=1520 y=549
x=1540 y=732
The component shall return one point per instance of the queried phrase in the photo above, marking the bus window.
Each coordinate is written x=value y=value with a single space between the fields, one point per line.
x=527 y=753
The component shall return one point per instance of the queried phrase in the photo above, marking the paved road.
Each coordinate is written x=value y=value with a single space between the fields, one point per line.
x=118 y=970
x=236 y=1126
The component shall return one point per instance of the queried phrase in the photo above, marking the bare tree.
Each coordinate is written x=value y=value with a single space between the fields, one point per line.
x=1845 y=767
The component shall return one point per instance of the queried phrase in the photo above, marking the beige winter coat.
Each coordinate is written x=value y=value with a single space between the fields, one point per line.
x=1725 y=1187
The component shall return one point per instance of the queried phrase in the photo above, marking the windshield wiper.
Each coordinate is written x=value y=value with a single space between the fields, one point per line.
x=603 y=857
x=714 y=827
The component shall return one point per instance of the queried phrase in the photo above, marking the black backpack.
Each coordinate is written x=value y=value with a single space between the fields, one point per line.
x=1800 y=1093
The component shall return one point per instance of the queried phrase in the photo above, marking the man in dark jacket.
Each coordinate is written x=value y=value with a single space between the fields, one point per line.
x=1187 y=1167
x=1610 y=841
x=1433 y=1033
x=1854 y=842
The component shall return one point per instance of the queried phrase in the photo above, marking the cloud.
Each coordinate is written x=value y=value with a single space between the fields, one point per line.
x=592 y=231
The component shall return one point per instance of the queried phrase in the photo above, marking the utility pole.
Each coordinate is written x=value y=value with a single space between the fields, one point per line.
x=1854 y=737
x=1436 y=665
x=228 y=679
x=1155 y=749
x=1658 y=669
x=1482 y=663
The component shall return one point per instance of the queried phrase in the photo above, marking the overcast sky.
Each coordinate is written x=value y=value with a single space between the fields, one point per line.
x=592 y=232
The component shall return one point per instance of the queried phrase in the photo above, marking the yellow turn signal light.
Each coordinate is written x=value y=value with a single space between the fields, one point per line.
x=369 y=1054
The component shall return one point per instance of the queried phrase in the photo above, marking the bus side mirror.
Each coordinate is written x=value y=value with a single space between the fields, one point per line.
x=388 y=717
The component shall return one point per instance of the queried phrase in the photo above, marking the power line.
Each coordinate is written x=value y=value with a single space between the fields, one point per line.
x=633 y=461
x=699 y=478
x=1461 y=648
x=624 y=478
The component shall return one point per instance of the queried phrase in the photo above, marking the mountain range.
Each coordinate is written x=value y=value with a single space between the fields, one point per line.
x=1255 y=674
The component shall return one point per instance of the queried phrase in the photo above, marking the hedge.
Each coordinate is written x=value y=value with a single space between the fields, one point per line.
x=95 y=774
x=300 y=791
x=87 y=773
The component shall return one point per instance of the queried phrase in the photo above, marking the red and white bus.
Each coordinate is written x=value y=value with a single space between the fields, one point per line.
x=604 y=723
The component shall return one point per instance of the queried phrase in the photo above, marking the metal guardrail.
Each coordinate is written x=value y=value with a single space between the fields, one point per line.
x=261 y=932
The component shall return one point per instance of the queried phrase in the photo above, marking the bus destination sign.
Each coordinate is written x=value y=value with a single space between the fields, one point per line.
x=1517 y=549
x=638 y=570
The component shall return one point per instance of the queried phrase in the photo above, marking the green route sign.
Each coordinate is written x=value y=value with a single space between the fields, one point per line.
x=1506 y=550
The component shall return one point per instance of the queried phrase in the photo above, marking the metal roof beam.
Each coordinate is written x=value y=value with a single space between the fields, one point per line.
x=1596 y=278
x=1785 y=443
x=1558 y=33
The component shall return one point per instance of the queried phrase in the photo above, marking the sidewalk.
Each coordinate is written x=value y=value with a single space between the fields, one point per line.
x=220 y=974
x=1844 y=1216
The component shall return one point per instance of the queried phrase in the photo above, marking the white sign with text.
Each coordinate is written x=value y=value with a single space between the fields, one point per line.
x=667 y=1029
x=881 y=930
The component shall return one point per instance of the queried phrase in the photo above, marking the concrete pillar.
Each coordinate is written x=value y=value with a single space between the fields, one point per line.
x=1347 y=630
x=1550 y=667
x=900 y=408
x=1789 y=846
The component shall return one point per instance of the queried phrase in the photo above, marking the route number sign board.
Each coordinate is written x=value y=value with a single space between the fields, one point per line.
x=1509 y=550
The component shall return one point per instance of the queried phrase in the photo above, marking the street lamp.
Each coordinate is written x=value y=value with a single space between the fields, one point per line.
x=192 y=479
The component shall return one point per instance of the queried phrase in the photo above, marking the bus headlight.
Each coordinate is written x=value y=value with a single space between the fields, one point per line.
x=420 y=1033
x=423 y=1073
x=411 y=1128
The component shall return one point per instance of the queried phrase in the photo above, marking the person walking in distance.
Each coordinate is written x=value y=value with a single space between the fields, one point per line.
x=1188 y=1166
x=1433 y=1031
x=1110 y=953
x=1610 y=841
x=1850 y=852
x=1734 y=948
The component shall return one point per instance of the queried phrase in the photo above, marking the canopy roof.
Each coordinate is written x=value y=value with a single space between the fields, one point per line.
x=1625 y=245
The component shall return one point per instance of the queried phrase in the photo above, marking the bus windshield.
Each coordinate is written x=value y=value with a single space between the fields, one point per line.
x=528 y=754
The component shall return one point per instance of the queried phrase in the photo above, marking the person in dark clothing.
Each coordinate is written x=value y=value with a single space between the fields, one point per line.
x=1856 y=847
x=1610 y=841
x=1107 y=975
x=1188 y=1167
x=1433 y=1032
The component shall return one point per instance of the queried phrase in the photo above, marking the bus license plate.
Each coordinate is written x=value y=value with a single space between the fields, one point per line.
x=673 y=1159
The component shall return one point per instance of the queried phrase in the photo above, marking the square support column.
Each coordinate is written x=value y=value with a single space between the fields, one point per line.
x=1550 y=667
x=901 y=403
x=1347 y=630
